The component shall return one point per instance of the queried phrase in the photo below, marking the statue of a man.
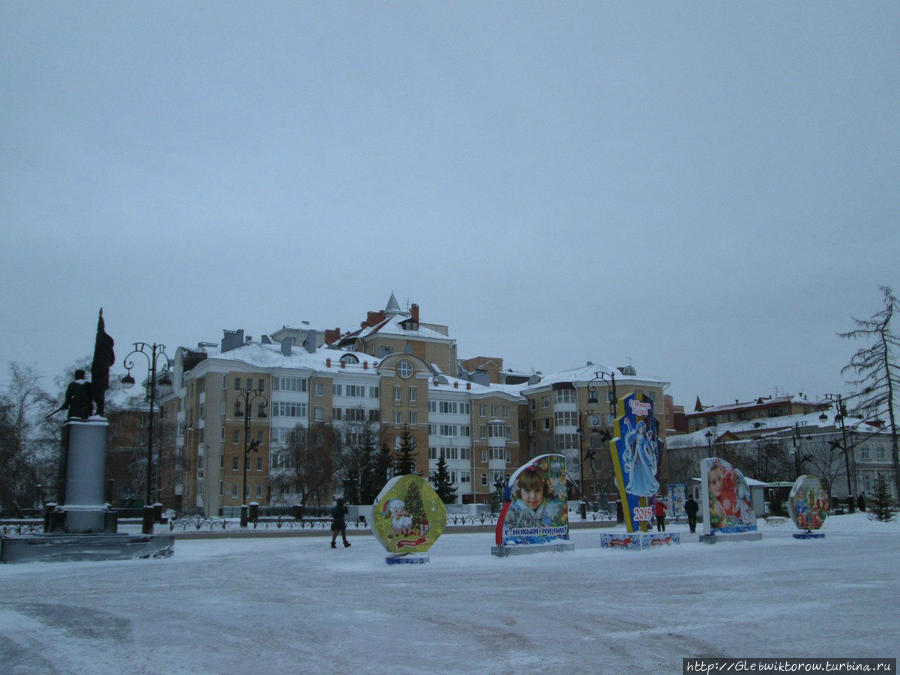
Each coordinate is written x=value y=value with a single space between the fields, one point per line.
x=79 y=399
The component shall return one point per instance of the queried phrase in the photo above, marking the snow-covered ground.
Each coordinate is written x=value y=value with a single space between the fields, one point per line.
x=292 y=604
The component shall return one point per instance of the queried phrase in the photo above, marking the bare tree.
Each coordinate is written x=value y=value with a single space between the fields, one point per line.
x=305 y=466
x=29 y=445
x=876 y=370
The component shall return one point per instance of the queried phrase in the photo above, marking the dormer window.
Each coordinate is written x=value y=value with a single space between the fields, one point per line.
x=349 y=358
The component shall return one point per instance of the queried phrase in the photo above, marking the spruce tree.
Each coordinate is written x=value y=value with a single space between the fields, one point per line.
x=882 y=507
x=415 y=507
x=440 y=479
x=405 y=461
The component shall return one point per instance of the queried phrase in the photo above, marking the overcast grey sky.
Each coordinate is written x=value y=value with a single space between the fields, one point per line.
x=707 y=189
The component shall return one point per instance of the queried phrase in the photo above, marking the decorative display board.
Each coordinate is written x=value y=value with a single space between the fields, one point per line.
x=677 y=498
x=408 y=516
x=636 y=451
x=727 y=505
x=808 y=503
x=535 y=508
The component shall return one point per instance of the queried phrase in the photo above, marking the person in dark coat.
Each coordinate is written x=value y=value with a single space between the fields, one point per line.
x=861 y=502
x=690 y=508
x=339 y=523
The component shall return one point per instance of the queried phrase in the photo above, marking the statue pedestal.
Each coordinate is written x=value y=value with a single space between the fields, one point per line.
x=85 y=508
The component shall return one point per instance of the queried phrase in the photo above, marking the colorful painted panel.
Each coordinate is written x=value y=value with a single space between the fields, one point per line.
x=677 y=498
x=636 y=452
x=808 y=503
x=535 y=509
x=408 y=516
x=727 y=505
x=639 y=541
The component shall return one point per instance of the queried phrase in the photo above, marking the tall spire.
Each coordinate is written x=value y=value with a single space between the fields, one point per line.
x=393 y=307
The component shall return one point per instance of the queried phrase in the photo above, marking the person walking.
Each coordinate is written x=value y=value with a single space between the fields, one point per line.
x=659 y=510
x=690 y=508
x=339 y=523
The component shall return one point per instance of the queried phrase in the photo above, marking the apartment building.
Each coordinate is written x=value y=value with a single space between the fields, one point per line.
x=394 y=373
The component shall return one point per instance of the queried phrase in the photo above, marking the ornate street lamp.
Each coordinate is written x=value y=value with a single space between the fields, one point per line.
x=153 y=353
x=250 y=396
x=841 y=414
x=710 y=436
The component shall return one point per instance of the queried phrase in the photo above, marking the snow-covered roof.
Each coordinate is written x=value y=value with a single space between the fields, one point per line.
x=587 y=373
x=271 y=356
x=393 y=326
x=756 y=403
x=447 y=384
x=768 y=426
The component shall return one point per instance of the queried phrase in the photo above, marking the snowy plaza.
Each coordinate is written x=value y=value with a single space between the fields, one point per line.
x=293 y=605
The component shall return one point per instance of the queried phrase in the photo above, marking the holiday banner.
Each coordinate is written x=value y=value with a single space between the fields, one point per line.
x=535 y=508
x=636 y=453
x=808 y=503
x=408 y=516
x=727 y=505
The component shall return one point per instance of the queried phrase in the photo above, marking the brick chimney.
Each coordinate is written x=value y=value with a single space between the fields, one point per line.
x=332 y=336
x=375 y=318
x=414 y=311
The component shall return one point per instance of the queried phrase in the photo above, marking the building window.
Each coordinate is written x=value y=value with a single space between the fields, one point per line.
x=259 y=463
x=258 y=491
x=236 y=437
x=234 y=490
x=484 y=480
x=337 y=389
x=482 y=410
x=373 y=392
x=237 y=384
x=318 y=389
x=412 y=394
x=398 y=394
x=317 y=415
x=413 y=417
x=404 y=369
x=234 y=463
x=398 y=417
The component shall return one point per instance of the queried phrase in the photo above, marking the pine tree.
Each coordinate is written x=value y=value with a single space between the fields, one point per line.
x=405 y=461
x=882 y=507
x=440 y=479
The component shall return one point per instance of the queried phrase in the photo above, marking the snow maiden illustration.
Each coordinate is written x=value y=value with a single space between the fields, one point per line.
x=640 y=461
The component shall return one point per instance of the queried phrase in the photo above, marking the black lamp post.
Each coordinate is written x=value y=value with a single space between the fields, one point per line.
x=250 y=396
x=709 y=442
x=153 y=353
x=841 y=414
x=798 y=458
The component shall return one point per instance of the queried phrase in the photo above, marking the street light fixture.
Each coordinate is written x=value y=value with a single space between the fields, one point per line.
x=153 y=353
x=839 y=416
x=798 y=459
x=710 y=436
x=250 y=396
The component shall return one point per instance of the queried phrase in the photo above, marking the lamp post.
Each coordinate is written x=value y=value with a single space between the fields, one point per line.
x=841 y=413
x=609 y=379
x=153 y=353
x=798 y=458
x=250 y=396
x=710 y=436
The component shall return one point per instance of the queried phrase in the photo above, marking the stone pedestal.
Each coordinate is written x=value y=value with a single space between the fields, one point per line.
x=85 y=475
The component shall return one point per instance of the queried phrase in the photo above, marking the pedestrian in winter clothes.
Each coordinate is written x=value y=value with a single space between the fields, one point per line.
x=338 y=523
x=690 y=508
x=659 y=510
